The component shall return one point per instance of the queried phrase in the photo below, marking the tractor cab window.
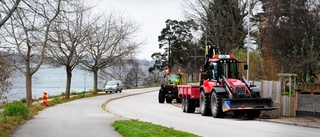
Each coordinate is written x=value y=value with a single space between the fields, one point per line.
x=229 y=68
x=213 y=71
x=173 y=78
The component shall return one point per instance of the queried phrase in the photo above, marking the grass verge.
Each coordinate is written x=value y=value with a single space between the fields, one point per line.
x=135 y=128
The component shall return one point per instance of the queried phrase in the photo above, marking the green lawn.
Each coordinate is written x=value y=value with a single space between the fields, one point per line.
x=135 y=128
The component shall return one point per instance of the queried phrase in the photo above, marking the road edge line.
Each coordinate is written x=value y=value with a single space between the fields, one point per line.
x=103 y=106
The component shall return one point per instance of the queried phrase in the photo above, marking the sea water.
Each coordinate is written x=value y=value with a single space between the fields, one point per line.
x=51 y=80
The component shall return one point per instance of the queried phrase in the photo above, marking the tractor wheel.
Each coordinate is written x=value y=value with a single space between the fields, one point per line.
x=216 y=105
x=253 y=114
x=190 y=106
x=161 y=96
x=205 y=109
x=169 y=100
x=183 y=104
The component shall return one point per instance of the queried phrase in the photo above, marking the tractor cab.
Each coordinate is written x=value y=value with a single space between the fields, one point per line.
x=223 y=65
x=176 y=79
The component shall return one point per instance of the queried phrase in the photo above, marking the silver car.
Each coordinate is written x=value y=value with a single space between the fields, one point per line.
x=113 y=86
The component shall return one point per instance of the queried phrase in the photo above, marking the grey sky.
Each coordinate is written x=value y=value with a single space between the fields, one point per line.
x=151 y=14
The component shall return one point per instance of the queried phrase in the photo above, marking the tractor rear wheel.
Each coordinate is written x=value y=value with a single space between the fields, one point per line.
x=183 y=104
x=190 y=106
x=169 y=100
x=216 y=105
x=205 y=109
x=161 y=96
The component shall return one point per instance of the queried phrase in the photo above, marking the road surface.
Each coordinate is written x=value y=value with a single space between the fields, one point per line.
x=145 y=107
x=79 y=118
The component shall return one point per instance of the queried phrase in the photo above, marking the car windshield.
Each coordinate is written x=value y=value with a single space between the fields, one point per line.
x=112 y=83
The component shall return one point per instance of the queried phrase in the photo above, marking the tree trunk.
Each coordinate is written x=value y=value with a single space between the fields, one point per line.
x=28 y=89
x=68 y=86
x=95 y=81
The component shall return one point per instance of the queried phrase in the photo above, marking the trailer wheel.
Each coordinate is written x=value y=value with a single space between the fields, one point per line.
x=169 y=100
x=183 y=105
x=253 y=114
x=190 y=106
x=216 y=105
x=205 y=109
x=161 y=96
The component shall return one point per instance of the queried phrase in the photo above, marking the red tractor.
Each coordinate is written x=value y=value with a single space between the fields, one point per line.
x=222 y=89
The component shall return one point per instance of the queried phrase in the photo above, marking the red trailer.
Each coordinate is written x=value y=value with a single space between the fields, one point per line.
x=189 y=95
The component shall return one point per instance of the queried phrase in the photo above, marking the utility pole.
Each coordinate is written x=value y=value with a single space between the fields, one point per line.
x=248 y=40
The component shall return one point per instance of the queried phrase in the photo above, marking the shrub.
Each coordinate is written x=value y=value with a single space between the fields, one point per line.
x=16 y=110
x=82 y=94
x=56 y=100
x=74 y=93
x=23 y=100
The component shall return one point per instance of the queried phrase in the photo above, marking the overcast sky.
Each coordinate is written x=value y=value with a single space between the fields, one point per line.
x=151 y=14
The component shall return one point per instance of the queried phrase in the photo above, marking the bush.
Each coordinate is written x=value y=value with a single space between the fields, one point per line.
x=82 y=94
x=74 y=93
x=23 y=100
x=56 y=100
x=16 y=110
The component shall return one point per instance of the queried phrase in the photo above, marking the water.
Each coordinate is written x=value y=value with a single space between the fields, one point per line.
x=52 y=81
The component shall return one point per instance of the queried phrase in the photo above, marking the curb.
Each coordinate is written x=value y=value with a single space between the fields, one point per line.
x=103 y=106
x=290 y=122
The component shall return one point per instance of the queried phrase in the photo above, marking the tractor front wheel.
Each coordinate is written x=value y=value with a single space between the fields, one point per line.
x=161 y=96
x=216 y=105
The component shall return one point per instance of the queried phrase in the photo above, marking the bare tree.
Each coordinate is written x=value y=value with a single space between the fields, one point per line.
x=135 y=74
x=115 y=72
x=107 y=42
x=222 y=21
x=8 y=7
x=28 y=31
x=67 y=47
x=5 y=73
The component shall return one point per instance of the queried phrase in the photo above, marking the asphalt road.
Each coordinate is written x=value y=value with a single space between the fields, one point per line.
x=145 y=107
x=79 y=118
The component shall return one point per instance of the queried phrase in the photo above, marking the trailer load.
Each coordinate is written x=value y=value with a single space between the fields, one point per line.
x=222 y=89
